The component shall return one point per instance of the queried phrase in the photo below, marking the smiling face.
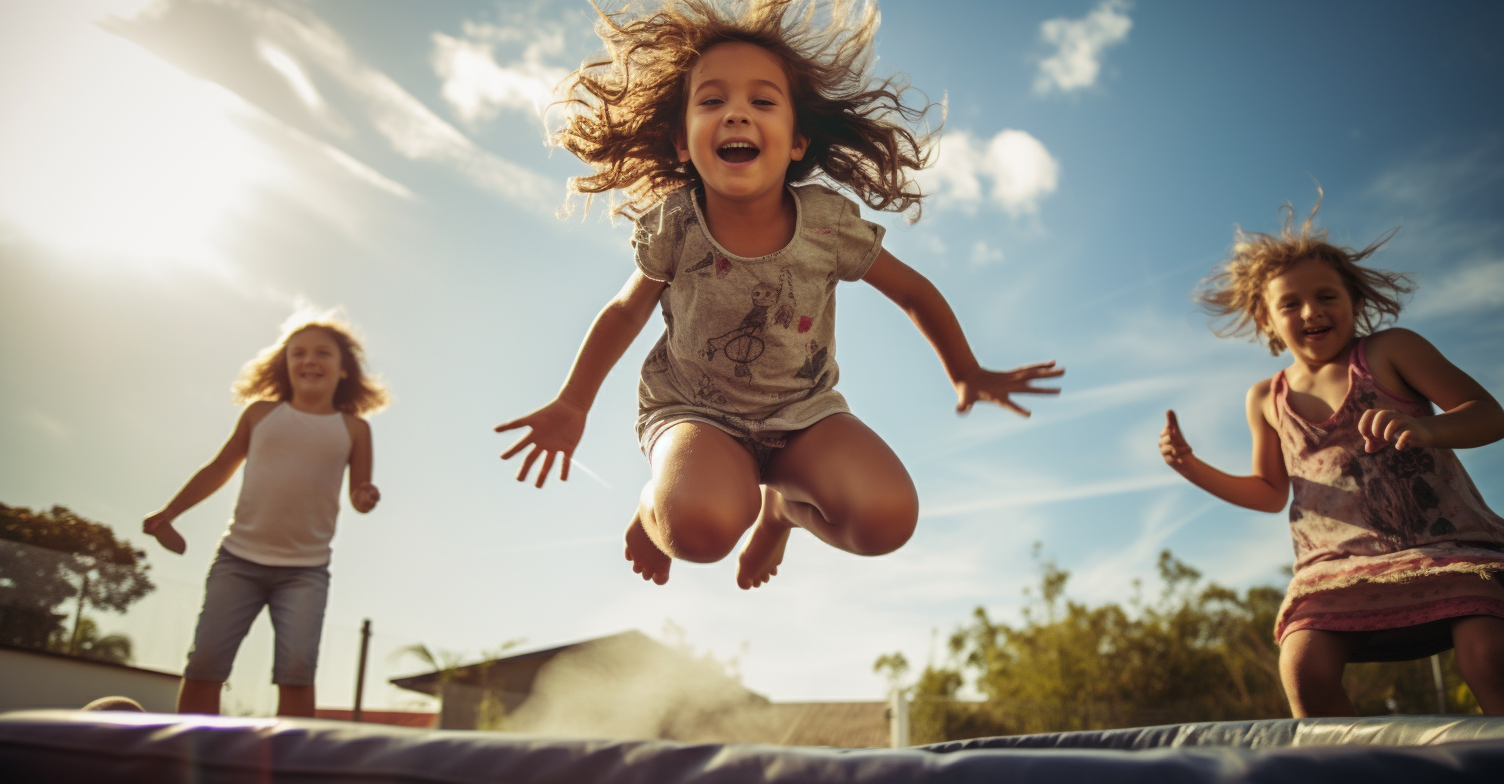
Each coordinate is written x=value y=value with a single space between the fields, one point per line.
x=314 y=368
x=739 y=128
x=1311 y=310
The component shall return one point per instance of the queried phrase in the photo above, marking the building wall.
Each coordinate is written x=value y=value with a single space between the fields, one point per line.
x=36 y=679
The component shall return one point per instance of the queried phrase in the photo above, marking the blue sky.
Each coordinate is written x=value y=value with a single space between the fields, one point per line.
x=177 y=178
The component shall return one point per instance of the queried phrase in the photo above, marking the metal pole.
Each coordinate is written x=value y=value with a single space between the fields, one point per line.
x=1441 y=684
x=898 y=718
x=360 y=671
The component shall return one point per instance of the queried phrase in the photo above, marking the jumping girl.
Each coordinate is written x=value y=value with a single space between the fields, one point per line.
x=1391 y=537
x=720 y=128
x=300 y=430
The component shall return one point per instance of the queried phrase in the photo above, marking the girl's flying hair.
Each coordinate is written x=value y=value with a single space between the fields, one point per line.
x=266 y=377
x=624 y=109
x=1236 y=288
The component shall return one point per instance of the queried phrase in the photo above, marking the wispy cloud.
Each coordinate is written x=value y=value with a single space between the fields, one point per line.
x=1079 y=46
x=1463 y=292
x=297 y=50
x=477 y=87
x=1106 y=574
x=1053 y=495
x=1018 y=170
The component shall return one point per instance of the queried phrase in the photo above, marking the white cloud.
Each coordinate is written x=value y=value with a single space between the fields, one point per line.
x=1018 y=167
x=284 y=64
x=310 y=48
x=1053 y=495
x=1080 y=43
x=1462 y=292
x=983 y=254
x=478 y=88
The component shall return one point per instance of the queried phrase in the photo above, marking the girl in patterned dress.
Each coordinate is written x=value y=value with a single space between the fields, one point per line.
x=1396 y=554
x=721 y=130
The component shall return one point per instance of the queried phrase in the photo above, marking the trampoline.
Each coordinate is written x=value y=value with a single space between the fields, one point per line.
x=69 y=746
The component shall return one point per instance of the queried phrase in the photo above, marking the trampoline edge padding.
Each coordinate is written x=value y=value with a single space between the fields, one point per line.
x=165 y=749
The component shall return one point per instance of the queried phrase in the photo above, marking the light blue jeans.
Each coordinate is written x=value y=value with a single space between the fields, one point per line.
x=234 y=594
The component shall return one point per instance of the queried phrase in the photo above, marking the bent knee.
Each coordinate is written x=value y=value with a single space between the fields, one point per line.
x=702 y=533
x=883 y=524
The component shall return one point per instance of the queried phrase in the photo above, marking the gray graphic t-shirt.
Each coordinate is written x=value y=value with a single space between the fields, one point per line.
x=750 y=342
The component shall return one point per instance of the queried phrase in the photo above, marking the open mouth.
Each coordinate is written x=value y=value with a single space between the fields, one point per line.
x=1316 y=332
x=737 y=152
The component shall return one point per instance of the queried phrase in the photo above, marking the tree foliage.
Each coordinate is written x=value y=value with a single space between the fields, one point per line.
x=49 y=559
x=1196 y=652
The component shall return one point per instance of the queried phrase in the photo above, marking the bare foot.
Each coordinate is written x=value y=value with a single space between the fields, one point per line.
x=169 y=537
x=763 y=552
x=647 y=560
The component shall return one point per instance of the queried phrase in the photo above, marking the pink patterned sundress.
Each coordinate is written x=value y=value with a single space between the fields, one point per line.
x=1394 y=542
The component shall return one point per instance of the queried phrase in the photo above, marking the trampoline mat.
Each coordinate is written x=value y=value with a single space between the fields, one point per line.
x=68 y=746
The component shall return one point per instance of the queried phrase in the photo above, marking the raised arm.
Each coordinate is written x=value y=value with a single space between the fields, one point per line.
x=1266 y=490
x=363 y=495
x=1470 y=416
x=556 y=428
x=213 y=474
x=929 y=311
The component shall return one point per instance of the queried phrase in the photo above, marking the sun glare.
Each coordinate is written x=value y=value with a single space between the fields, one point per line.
x=121 y=157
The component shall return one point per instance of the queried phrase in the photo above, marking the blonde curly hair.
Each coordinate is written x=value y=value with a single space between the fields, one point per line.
x=1235 y=290
x=624 y=109
x=266 y=376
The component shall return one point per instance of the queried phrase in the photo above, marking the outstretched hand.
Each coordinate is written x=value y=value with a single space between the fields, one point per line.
x=554 y=429
x=1382 y=426
x=1172 y=445
x=995 y=386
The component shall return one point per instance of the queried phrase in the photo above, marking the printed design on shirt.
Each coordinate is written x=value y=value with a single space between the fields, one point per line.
x=657 y=361
x=707 y=393
x=743 y=344
x=1396 y=489
x=704 y=265
x=814 y=363
x=785 y=315
x=814 y=370
x=713 y=263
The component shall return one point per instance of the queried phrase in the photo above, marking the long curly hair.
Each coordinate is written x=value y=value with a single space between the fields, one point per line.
x=266 y=376
x=1235 y=290
x=624 y=108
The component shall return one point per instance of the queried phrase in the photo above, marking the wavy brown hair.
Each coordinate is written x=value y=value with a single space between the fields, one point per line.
x=266 y=377
x=1235 y=290
x=624 y=108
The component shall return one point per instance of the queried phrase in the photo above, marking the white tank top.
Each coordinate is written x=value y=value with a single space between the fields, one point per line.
x=289 y=494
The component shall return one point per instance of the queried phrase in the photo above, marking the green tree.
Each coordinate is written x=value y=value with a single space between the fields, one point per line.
x=87 y=642
x=51 y=560
x=1196 y=652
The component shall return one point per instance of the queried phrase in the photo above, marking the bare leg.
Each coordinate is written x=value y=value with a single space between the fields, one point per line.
x=839 y=481
x=295 y=701
x=703 y=496
x=1310 y=665
x=195 y=696
x=1479 y=642
x=763 y=551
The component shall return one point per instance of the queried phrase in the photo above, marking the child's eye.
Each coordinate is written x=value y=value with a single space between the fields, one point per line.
x=762 y=102
x=711 y=102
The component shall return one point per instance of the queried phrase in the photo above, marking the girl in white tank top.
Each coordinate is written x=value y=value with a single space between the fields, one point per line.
x=301 y=429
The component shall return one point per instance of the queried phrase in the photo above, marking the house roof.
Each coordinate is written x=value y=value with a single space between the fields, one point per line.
x=517 y=672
